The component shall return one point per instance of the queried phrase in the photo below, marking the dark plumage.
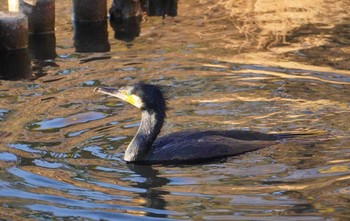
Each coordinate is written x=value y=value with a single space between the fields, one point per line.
x=190 y=146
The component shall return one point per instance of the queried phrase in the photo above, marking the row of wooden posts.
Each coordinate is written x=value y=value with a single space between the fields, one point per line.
x=27 y=32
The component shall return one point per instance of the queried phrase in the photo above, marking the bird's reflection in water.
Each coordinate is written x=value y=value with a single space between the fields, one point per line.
x=154 y=198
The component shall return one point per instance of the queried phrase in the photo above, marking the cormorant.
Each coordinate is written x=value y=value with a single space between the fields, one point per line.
x=189 y=146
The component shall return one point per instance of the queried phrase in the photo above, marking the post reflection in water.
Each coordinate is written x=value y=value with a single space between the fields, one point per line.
x=125 y=19
x=91 y=36
x=127 y=29
x=153 y=197
x=162 y=7
x=41 y=23
x=126 y=15
x=11 y=68
x=42 y=46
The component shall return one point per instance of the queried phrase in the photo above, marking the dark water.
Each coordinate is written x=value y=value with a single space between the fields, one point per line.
x=250 y=65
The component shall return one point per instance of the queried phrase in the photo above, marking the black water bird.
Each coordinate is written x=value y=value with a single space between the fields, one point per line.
x=190 y=146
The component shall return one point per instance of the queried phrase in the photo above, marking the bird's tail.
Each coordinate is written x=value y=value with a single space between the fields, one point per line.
x=304 y=138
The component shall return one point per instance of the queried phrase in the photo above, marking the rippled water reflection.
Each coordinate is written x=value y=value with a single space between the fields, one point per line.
x=249 y=65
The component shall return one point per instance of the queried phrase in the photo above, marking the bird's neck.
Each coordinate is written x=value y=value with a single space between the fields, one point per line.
x=141 y=144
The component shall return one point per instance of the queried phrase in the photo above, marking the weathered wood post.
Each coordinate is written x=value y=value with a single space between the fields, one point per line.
x=125 y=19
x=41 y=20
x=89 y=10
x=15 y=61
x=90 y=26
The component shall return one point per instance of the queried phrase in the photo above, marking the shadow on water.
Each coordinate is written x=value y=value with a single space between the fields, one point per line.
x=333 y=53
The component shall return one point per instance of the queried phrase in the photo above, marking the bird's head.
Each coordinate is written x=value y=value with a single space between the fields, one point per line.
x=141 y=95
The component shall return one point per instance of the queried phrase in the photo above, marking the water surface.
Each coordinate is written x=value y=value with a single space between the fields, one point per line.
x=249 y=65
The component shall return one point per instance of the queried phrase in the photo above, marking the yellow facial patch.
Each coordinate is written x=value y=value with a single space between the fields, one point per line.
x=134 y=100
x=123 y=94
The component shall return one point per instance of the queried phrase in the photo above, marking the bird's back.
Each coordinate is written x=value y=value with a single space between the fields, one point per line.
x=193 y=146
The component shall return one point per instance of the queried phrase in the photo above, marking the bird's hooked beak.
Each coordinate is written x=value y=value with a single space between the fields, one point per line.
x=123 y=94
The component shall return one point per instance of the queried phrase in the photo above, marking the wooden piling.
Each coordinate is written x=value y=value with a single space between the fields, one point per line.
x=13 y=31
x=41 y=15
x=41 y=23
x=89 y=10
x=15 y=61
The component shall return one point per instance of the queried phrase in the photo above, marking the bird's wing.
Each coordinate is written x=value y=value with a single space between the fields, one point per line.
x=204 y=148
